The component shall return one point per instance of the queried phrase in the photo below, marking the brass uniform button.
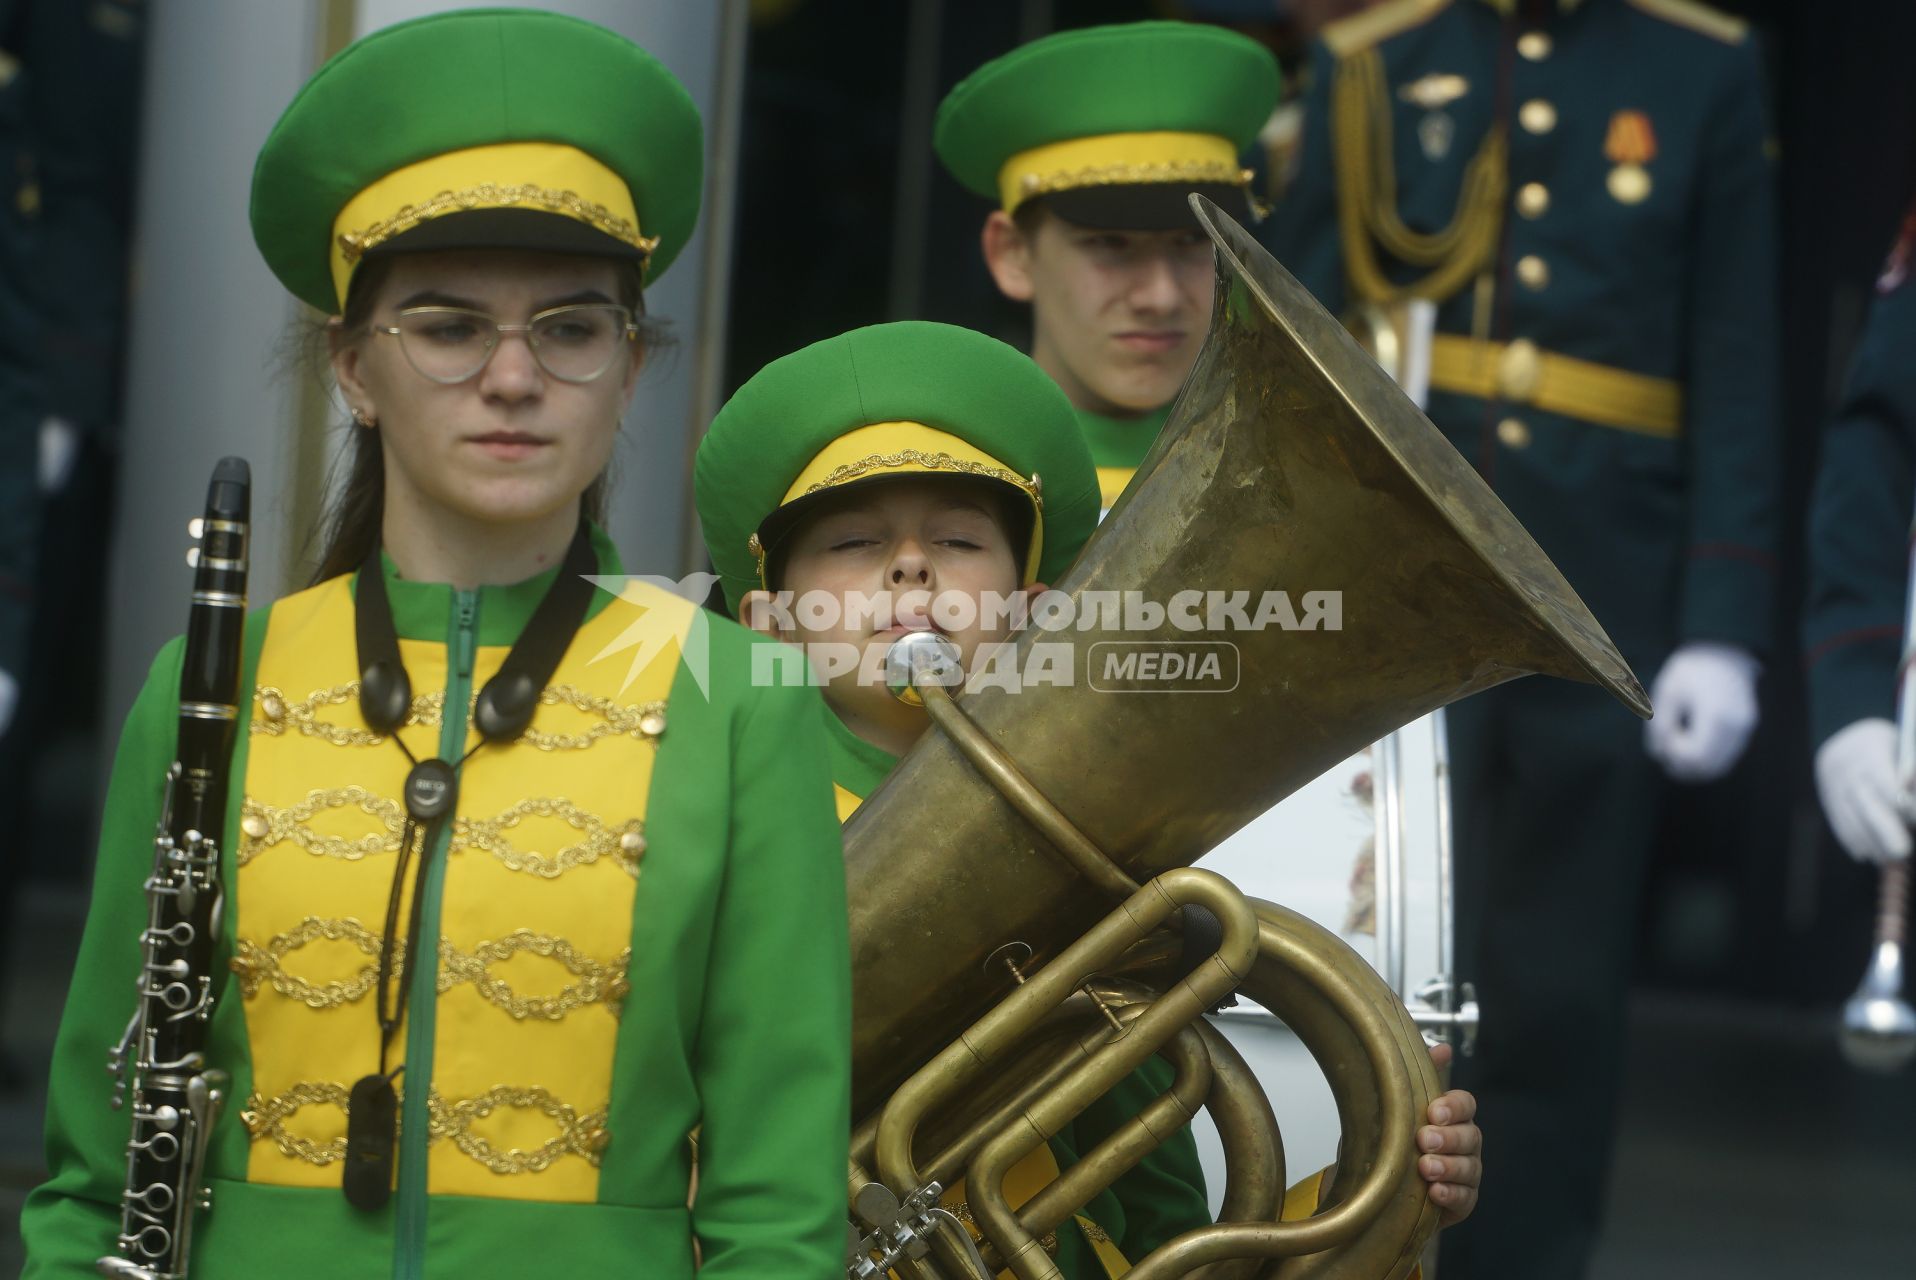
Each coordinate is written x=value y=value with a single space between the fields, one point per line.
x=1519 y=370
x=633 y=842
x=1513 y=433
x=1533 y=271
x=652 y=724
x=1537 y=116
x=254 y=826
x=1533 y=199
x=272 y=708
x=599 y=1141
x=1534 y=45
x=1629 y=184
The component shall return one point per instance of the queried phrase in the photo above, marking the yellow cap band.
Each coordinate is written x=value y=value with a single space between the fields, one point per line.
x=907 y=448
x=546 y=176
x=1114 y=159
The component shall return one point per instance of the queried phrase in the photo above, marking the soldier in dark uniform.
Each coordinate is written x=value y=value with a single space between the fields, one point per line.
x=21 y=398
x=1859 y=573
x=22 y=393
x=1581 y=187
x=69 y=89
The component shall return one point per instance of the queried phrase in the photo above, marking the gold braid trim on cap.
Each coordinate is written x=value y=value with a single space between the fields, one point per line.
x=931 y=462
x=1033 y=185
x=353 y=245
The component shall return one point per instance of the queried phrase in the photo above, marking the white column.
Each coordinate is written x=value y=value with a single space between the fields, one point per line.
x=207 y=319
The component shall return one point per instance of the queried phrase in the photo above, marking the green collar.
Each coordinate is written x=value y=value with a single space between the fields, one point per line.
x=857 y=765
x=420 y=609
x=1121 y=442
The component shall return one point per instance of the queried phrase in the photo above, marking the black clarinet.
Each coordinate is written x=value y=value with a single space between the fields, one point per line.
x=176 y=1096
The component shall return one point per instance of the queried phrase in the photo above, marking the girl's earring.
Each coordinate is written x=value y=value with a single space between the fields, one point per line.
x=364 y=419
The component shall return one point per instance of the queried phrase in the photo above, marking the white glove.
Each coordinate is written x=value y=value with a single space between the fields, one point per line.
x=1856 y=781
x=1705 y=711
x=59 y=446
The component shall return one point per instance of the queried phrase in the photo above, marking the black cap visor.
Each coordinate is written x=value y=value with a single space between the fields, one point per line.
x=507 y=229
x=1144 y=206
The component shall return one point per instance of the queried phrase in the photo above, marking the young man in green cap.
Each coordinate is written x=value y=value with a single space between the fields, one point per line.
x=938 y=473
x=1090 y=142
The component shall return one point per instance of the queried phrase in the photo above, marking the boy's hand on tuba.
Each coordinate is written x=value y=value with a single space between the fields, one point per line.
x=1452 y=1145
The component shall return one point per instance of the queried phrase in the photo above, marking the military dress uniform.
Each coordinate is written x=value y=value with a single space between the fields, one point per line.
x=915 y=399
x=1113 y=127
x=614 y=916
x=1582 y=189
x=1853 y=626
x=23 y=374
x=1860 y=515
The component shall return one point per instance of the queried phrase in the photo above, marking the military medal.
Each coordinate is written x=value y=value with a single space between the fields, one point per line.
x=1433 y=93
x=1630 y=145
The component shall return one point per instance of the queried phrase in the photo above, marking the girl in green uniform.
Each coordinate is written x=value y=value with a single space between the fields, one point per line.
x=591 y=982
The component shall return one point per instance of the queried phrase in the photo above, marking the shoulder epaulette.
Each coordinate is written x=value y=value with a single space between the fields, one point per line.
x=1360 y=31
x=1697 y=17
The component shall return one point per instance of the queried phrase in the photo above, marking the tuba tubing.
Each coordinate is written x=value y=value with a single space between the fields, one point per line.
x=1290 y=462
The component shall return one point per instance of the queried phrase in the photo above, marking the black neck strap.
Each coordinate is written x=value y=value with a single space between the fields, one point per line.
x=501 y=713
x=505 y=705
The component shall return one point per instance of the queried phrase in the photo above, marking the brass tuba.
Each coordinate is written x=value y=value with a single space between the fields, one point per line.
x=1006 y=965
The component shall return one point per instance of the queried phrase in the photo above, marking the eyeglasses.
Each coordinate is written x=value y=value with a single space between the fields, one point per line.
x=573 y=344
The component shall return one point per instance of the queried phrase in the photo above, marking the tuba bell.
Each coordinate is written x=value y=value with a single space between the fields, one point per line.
x=1017 y=883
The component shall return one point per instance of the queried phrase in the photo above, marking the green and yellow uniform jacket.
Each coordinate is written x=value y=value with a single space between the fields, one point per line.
x=635 y=929
x=1582 y=187
x=1859 y=517
x=1159 y=1199
x=1118 y=445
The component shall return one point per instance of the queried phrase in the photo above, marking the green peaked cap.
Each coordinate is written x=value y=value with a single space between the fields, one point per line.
x=794 y=421
x=1095 y=82
x=626 y=166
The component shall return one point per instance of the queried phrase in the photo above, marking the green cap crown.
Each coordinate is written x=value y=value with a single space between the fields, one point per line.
x=988 y=395
x=475 y=78
x=1141 y=77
